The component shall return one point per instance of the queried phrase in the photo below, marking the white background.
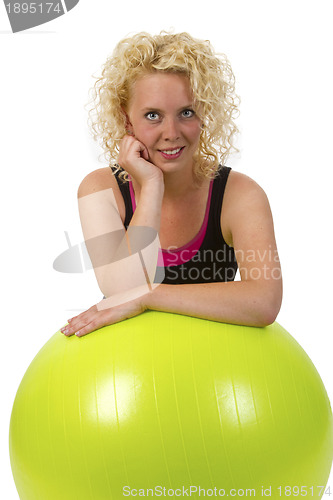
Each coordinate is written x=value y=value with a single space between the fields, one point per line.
x=281 y=53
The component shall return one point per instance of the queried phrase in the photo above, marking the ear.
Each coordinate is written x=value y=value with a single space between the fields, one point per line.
x=128 y=124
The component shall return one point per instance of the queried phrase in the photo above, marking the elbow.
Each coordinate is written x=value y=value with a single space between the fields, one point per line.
x=269 y=312
x=267 y=317
x=268 y=306
x=262 y=318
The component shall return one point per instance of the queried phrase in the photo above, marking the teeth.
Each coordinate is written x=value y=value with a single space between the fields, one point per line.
x=173 y=152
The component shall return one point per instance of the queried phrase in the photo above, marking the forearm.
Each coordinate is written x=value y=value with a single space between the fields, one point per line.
x=149 y=205
x=134 y=264
x=240 y=302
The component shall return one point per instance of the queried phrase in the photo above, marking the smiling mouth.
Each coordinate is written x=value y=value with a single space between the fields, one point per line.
x=171 y=153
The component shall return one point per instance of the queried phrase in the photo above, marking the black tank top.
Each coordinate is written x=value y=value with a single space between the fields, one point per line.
x=207 y=258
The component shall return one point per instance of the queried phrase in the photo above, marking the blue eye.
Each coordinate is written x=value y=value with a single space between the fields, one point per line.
x=152 y=115
x=188 y=113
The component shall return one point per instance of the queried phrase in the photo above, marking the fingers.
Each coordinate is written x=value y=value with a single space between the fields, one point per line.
x=130 y=149
x=95 y=324
x=86 y=322
x=93 y=319
x=82 y=327
x=145 y=154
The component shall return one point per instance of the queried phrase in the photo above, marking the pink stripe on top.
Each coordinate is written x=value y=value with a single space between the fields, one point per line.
x=186 y=252
x=132 y=195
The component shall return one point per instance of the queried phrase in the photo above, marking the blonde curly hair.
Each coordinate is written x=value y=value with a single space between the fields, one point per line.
x=211 y=80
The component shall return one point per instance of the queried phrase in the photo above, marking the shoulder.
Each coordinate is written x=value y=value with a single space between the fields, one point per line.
x=95 y=181
x=98 y=180
x=241 y=187
x=244 y=200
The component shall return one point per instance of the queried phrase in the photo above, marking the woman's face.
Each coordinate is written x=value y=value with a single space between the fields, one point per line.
x=160 y=115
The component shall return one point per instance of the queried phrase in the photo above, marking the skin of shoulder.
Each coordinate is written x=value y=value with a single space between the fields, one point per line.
x=100 y=179
x=244 y=200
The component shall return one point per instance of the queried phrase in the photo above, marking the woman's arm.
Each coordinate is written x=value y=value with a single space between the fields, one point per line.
x=124 y=261
x=256 y=299
x=238 y=302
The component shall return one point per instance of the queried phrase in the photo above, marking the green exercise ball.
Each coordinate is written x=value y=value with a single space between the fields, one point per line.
x=168 y=403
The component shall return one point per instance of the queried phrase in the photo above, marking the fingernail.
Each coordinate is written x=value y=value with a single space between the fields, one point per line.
x=77 y=333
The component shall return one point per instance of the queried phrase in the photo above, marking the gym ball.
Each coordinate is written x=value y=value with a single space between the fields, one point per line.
x=169 y=401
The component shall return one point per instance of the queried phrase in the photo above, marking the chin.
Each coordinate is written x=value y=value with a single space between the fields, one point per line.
x=170 y=166
x=177 y=163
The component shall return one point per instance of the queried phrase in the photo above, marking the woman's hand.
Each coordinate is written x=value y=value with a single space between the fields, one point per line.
x=92 y=319
x=134 y=158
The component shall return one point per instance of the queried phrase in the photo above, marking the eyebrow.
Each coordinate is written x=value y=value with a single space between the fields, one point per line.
x=152 y=108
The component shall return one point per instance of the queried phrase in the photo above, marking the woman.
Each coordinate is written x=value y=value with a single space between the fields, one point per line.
x=165 y=112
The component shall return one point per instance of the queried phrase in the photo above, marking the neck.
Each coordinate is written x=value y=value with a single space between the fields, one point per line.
x=178 y=184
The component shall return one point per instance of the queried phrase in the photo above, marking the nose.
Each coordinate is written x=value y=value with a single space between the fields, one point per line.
x=171 y=130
